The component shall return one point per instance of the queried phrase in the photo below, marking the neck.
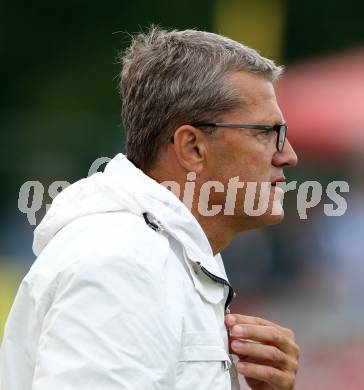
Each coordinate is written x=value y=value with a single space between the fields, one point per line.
x=217 y=229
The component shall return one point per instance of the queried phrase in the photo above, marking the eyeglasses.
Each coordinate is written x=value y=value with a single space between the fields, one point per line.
x=281 y=130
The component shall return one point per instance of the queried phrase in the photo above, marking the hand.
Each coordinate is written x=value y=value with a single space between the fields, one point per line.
x=268 y=354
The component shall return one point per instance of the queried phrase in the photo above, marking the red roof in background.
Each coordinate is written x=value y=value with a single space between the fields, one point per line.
x=323 y=102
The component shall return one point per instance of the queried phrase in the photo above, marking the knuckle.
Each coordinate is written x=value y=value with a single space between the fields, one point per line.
x=276 y=337
x=292 y=366
x=295 y=367
x=297 y=351
x=290 y=333
x=271 y=375
x=257 y=320
x=289 y=380
x=278 y=356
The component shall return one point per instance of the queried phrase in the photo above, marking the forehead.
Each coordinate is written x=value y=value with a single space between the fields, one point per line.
x=259 y=101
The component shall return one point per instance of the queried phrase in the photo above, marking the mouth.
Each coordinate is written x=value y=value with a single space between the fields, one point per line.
x=278 y=181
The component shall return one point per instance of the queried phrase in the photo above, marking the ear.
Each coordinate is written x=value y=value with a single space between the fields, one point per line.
x=190 y=146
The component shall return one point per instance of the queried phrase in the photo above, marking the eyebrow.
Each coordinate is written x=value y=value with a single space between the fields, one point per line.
x=269 y=121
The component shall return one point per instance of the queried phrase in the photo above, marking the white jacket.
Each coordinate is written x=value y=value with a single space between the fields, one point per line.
x=125 y=294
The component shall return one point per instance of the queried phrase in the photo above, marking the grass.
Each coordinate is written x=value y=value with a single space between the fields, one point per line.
x=11 y=274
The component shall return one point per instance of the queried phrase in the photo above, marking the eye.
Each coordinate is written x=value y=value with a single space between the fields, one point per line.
x=267 y=133
x=265 y=136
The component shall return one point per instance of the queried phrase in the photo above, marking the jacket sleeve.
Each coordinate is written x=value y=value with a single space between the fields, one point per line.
x=108 y=329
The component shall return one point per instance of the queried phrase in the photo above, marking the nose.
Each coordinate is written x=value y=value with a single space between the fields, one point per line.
x=286 y=158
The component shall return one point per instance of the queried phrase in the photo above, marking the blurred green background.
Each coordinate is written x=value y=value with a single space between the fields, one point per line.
x=60 y=110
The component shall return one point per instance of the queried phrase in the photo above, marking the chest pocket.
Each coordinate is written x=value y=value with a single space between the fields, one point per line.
x=203 y=362
x=210 y=290
x=205 y=346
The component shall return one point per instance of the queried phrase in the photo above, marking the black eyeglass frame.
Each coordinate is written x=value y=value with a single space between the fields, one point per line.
x=281 y=130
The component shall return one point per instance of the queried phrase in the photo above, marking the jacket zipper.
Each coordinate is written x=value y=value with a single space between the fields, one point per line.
x=231 y=295
x=156 y=226
x=217 y=279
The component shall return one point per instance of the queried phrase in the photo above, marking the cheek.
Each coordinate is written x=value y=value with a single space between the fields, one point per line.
x=248 y=161
x=252 y=168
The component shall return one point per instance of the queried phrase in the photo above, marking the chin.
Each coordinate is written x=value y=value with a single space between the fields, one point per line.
x=274 y=219
x=272 y=216
x=275 y=212
x=267 y=219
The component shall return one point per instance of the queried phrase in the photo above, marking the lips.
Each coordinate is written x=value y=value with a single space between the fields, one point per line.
x=280 y=179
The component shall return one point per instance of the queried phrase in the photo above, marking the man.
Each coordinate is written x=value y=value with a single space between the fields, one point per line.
x=129 y=290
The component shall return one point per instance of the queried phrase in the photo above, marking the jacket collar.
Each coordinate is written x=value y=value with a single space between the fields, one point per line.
x=167 y=211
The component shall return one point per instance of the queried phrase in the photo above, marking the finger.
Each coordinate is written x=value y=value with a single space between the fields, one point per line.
x=264 y=354
x=242 y=319
x=274 y=377
x=233 y=319
x=266 y=335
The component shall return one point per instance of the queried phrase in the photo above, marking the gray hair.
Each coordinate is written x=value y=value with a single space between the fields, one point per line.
x=170 y=78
